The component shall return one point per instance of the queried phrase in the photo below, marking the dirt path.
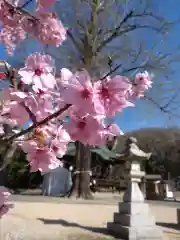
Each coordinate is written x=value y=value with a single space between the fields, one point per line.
x=53 y=221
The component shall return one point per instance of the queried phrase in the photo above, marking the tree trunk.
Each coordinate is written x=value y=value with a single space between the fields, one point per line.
x=85 y=154
x=81 y=187
x=3 y=177
x=75 y=191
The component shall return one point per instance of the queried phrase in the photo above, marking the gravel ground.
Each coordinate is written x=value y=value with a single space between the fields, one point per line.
x=59 y=221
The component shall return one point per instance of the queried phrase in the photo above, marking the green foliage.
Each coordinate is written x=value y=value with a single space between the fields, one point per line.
x=19 y=175
x=16 y=170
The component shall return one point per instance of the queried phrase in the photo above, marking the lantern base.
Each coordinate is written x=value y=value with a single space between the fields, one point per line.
x=134 y=220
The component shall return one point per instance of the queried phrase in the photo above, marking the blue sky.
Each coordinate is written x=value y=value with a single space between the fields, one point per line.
x=145 y=114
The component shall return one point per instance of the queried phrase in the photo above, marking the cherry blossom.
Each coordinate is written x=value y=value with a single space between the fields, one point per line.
x=143 y=80
x=10 y=94
x=42 y=159
x=38 y=72
x=44 y=4
x=4 y=204
x=55 y=108
x=14 y=106
x=59 y=143
x=100 y=139
x=40 y=105
x=79 y=92
x=44 y=26
x=10 y=36
x=111 y=95
x=113 y=130
x=83 y=129
x=8 y=15
x=16 y=113
x=64 y=77
x=29 y=145
x=50 y=30
x=47 y=144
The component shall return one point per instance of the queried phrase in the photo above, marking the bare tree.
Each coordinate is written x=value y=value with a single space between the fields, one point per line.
x=111 y=36
x=164 y=145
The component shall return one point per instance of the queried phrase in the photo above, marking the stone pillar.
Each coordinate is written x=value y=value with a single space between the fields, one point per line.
x=134 y=221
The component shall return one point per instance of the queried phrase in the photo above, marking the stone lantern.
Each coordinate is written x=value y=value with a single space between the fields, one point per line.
x=134 y=221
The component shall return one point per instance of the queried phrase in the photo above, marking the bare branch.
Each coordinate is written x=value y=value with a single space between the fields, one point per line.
x=115 y=31
x=162 y=108
x=75 y=44
x=26 y=3
x=38 y=124
x=32 y=116
x=125 y=31
x=172 y=99
x=111 y=71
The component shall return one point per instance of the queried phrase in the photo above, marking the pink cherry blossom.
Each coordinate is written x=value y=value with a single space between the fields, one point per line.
x=43 y=160
x=4 y=205
x=15 y=106
x=111 y=95
x=15 y=112
x=30 y=25
x=38 y=72
x=143 y=80
x=29 y=146
x=63 y=78
x=114 y=130
x=59 y=144
x=10 y=94
x=8 y=15
x=11 y=36
x=83 y=129
x=40 y=158
x=59 y=108
x=79 y=92
x=47 y=143
x=5 y=94
x=50 y=29
x=8 y=121
x=41 y=105
x=100 y=138
x=43 y=4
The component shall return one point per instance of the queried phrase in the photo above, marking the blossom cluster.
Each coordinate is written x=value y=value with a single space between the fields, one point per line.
x=63 y=107
x=59 y=106
x=17 y=24
x=81 y=107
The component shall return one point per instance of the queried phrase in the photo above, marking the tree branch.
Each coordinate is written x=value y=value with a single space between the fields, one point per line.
x=75 y=44
x=32 y=116
x=111 y=71
x=161 y=108
x=21 y=11
x=38 y=124
x=26 y=3
x=172 y=98
x=126 y=30
x=115 y=32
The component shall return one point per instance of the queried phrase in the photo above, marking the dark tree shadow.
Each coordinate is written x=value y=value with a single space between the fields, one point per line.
x=65 y=223
x=174 y=226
